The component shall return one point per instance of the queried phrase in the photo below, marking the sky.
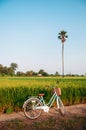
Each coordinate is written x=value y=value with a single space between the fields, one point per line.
x=29 y=35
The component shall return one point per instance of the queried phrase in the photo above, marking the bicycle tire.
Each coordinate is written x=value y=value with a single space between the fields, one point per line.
x=61 y=107
x=29 y=110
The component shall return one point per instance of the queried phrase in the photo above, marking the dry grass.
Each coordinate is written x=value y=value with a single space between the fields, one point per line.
x=51 y=123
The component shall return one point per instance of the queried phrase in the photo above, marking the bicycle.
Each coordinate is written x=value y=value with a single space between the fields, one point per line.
x=33 y=106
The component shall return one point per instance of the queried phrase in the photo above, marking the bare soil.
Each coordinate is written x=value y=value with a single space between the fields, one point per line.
x=52 y=119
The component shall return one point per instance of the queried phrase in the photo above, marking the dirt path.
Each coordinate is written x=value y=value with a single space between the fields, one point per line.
x=77 y=110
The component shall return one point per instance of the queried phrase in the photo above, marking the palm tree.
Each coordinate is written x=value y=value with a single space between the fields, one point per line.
x=62 y=36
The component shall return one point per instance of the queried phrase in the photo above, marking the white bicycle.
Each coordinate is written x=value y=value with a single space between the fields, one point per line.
x=33 y=106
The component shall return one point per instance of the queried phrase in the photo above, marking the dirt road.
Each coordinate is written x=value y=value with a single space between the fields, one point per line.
x=78 y=110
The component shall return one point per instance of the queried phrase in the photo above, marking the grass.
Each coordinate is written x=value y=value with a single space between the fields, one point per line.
x=15 y=90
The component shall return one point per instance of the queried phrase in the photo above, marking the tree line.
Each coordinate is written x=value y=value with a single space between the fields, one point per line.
x=4 y=70
x=11 y=71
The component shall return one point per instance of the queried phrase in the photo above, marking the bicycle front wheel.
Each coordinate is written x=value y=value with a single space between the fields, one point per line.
x=61 y=107
x=30 y=110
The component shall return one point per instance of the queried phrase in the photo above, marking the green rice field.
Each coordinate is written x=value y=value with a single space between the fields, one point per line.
x=15 y=90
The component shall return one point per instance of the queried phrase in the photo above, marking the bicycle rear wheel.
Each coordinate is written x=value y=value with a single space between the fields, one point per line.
x=61 y=107
x=30 y=110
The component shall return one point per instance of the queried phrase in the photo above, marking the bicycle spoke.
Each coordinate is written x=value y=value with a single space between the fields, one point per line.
x=30 y=110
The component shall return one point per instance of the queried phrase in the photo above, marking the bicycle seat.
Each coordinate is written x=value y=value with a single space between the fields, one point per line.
x=41 y=94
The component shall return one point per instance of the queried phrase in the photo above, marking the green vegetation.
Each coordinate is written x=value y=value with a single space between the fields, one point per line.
x=14 y=91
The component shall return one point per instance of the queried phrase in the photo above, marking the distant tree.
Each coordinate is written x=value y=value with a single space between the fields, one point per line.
x=14 y=66
x=4 y=70
x=1 y=66
x=62 y=36
x=43 y=73
x=34 y=73
x=10 y=71
x=20 y=73
x=57 y=74
x=1 y=69
x=29 y=73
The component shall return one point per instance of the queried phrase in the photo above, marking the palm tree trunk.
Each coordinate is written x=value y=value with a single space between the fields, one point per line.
x=62 y=59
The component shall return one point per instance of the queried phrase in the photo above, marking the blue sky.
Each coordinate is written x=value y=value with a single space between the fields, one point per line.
x=29 y=34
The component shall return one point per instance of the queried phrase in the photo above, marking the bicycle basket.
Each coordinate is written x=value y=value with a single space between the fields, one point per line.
x=58 y=91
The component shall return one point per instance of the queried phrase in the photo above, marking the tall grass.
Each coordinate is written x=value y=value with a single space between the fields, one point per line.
x=14 y=91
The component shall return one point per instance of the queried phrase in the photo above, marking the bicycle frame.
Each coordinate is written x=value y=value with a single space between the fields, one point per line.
x=34 y=105
x=51 y=101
